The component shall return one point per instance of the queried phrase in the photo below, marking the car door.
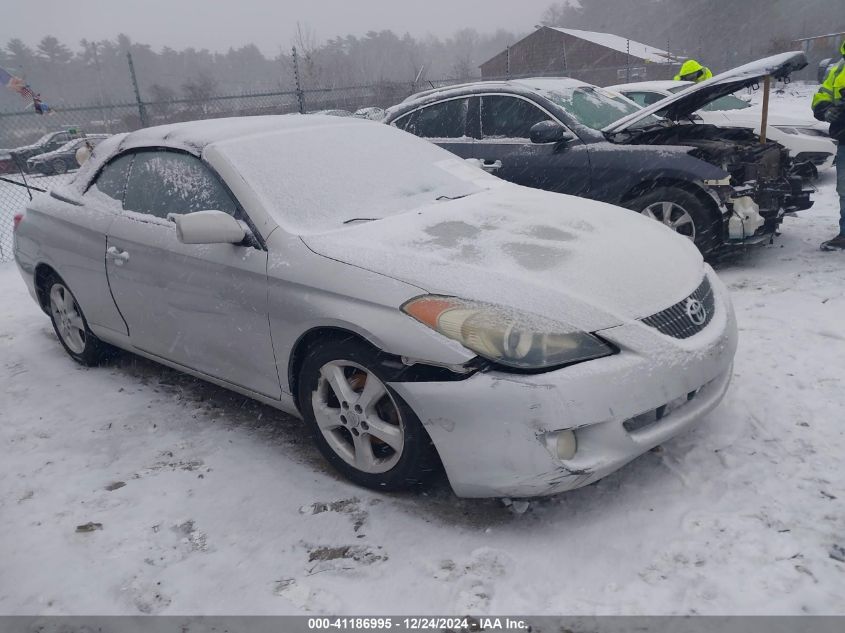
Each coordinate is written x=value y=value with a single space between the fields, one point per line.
x=201 y=306
x=77 y=244
x=442 y=123
x=506 y=150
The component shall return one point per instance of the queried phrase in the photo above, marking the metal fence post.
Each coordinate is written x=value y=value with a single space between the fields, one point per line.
x=142 y=110
x=300 y=95
x=628 y=60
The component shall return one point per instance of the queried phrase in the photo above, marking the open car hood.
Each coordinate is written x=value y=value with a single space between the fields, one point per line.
x=682 y=104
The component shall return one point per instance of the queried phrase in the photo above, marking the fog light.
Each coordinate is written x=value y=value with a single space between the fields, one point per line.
x=566 y=444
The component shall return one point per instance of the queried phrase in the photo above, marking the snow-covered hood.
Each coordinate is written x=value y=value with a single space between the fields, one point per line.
x=752 y=116
x=682 y=104
x=584 y=263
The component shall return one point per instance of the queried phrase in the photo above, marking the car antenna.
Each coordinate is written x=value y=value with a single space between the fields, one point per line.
x=12 y=181
x=23 y=176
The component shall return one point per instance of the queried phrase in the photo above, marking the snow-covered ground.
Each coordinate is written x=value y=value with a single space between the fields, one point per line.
x=792 y=99
x=210 y=503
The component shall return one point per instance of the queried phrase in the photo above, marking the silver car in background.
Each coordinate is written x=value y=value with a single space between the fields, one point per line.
x=415 y=311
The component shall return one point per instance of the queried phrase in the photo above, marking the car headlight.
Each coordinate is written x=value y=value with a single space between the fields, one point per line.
x=506 y=336
x=786 y=130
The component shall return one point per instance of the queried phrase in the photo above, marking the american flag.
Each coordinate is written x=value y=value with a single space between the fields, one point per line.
x=22 y=88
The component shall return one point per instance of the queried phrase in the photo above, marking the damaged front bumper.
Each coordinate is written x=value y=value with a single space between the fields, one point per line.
x=752 y=212
x=495 y=431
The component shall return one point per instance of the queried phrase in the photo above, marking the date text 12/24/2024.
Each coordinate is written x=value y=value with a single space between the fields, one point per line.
x=423 y=623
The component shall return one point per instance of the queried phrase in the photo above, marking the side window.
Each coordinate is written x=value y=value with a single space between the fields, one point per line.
x=403 y=121
x=644 y=99
x=172 y=182
x=112 y=179
x=446 y=119
x=57 y=141
x=508 y=117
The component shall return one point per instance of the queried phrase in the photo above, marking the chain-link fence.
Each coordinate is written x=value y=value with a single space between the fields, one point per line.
x=36 y=160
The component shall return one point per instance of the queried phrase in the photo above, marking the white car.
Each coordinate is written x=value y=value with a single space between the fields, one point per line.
x=806 y=139
x=414 y=310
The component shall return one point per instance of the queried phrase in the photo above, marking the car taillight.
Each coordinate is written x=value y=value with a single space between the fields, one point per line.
x=16 y=220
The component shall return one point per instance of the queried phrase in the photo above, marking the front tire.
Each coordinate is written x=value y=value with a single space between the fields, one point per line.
x=361 y=426
x=684 y=213
x=71 y=327
x=59 y=166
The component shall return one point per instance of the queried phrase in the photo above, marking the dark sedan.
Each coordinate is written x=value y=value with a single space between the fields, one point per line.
x=47 y=143
x=715 y=186
x=63 y=159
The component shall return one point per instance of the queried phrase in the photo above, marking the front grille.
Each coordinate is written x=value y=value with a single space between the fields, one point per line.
x=685 y=318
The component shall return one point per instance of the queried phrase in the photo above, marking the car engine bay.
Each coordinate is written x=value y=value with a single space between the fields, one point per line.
x=764 y=182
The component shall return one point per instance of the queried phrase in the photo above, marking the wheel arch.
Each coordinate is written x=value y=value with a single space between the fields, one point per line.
x=650 y=184
x=43 y=271
x=311 y=337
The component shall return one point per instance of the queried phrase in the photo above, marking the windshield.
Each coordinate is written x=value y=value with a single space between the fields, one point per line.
x=595 y=107
x=319 y=178
x=728 y=102
x=44 y=138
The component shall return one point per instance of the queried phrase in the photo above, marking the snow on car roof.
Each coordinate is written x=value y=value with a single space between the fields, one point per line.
x=618 y=43
x=549 y=83
x=665 y=85
x=348 y=171
x=195 y=135
x=532 y=83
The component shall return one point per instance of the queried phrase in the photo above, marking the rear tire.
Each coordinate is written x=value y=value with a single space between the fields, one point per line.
x=684 y=213
x=361 y=426
x=71 y=326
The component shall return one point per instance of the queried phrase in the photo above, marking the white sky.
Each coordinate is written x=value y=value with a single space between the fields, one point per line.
x=270 y=24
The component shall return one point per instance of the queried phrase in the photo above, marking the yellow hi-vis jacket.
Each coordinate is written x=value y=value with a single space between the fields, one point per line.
x=693 y=71
x=832 y=93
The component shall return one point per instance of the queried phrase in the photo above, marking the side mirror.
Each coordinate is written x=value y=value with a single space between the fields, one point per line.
x=549 y=132
x=209 y=227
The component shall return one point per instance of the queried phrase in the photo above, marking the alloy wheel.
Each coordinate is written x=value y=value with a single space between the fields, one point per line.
x=68 y=318
x=358 y=417
x=672 y=215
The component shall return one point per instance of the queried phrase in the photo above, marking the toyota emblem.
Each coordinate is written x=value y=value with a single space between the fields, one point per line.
x=696 y=311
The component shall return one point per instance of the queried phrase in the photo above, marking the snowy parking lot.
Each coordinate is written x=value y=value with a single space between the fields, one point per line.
x=211 y=503
x=130 y=488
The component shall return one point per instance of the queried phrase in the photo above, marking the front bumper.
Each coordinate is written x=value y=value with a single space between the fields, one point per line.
x=491 y=429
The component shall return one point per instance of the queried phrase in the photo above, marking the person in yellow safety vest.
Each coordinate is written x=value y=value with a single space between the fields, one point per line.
x=693 y=71
x=829 y=105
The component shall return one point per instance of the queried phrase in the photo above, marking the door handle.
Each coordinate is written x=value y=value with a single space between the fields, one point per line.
x=491 y=166
x=117 y=255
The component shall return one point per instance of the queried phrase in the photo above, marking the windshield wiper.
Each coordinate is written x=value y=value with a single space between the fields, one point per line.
x=438 y=198
x=350 y=220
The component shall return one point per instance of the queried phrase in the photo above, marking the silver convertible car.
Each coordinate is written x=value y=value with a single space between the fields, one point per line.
x=415 y=311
